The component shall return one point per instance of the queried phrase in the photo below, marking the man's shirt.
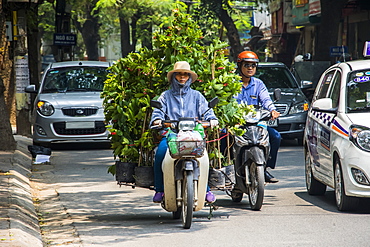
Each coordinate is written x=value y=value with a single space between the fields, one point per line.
x=256 y=94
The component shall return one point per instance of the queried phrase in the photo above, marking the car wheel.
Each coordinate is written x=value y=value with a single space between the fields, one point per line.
x=344 y=202
x=300 y=141
x=314 y=187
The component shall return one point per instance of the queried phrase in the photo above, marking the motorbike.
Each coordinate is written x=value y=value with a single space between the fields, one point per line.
x=251 y=152
x=185 y=166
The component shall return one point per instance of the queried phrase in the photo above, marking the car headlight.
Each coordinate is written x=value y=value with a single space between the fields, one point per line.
x=45 y=108
x=302 y=107
x=360 y=136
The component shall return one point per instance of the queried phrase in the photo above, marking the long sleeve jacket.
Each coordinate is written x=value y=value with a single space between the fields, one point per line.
x=182 y=101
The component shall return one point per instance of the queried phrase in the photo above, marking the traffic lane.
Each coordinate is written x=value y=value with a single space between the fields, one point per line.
x=105 y=214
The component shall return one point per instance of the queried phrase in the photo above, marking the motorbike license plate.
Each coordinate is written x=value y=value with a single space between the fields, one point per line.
x=272 y=123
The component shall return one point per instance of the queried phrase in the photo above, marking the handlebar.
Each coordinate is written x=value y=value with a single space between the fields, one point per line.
x=173 y=124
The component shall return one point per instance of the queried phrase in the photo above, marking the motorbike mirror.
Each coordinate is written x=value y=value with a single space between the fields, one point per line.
x=158 y=105
x=277 y=94
x=213 y=102
x=155 y=104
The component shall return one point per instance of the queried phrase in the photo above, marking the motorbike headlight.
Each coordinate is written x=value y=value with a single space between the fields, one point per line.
x=253 y=117
x=186 y=125
x=360 y=136
x=45 y=108
x=302 y=107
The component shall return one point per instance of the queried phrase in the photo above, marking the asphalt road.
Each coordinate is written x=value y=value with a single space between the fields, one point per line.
x=80 y=204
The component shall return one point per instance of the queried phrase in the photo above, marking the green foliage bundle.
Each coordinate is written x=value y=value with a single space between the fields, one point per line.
x=140 y=77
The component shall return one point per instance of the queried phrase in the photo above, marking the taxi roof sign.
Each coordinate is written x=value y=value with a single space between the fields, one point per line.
x=366 y=51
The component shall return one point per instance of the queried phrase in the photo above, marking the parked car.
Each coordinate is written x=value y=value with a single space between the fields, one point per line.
x=68 y=106
x=293 y=104
x=337 y=135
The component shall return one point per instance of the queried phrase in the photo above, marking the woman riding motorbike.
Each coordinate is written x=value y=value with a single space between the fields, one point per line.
x=179 y=101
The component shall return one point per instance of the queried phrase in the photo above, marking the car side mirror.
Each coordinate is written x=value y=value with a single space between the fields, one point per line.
x=306 y=84
x=30 y=89
x=324 y=105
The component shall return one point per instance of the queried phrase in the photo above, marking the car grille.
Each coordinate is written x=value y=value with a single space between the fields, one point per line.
x=283 y=127
x=79 y=111
x=60 y=129
x=282 y=108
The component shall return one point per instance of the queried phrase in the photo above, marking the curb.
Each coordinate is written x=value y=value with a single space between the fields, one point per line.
x=19 y=226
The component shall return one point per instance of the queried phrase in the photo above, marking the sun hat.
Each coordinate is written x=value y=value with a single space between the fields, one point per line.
x=182 y=66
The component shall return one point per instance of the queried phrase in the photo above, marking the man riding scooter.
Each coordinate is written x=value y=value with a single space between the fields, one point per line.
x=254 y=92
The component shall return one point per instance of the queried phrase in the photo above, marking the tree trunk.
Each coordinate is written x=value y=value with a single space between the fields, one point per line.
x=33 y=47
x=7 y=141
x=90 y=32
x=232 y=33
x=146 y=39
x=126 y=46
x=331 y=11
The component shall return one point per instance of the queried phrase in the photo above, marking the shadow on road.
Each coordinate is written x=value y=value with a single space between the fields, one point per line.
x=80 y=145
x=327 y=202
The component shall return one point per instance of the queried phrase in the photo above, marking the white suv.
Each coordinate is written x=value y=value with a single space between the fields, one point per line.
x=337 y=134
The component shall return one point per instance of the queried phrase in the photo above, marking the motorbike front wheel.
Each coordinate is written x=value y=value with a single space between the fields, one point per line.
x=187 y=199
x=257 y=185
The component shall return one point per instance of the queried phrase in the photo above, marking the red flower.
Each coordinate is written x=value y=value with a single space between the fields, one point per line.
x=225 y=84
x=114 y=133
x=221 y=68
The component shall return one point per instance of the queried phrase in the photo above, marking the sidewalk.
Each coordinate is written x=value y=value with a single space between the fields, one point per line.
x=18 y=219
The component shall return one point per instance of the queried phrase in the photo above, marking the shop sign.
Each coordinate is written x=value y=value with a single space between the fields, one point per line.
x=300 y=12
x=337 y=51
x=65 y=39
x=315 y=7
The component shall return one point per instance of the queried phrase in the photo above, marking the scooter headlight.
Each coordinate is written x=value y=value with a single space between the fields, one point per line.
x=253 y=117
x=360 y=136
x=186 y=125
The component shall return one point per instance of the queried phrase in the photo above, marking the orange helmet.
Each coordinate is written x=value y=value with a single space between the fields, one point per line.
x=248 y=56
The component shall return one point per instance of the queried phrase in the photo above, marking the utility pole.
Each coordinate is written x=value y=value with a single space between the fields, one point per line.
x=63 y=38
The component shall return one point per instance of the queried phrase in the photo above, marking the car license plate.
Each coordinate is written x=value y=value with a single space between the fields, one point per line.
x=272 y=123
x=80 y=125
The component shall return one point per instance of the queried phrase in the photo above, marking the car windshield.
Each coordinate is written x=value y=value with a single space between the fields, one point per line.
x=71 y=79
x=358 y=91
x=276 y=77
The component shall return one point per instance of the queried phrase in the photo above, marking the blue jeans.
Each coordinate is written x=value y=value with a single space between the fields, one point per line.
x=275 y=139
x=158 y=159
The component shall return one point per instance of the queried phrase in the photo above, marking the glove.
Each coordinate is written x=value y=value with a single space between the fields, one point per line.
x=157 y=122
x=214 y=123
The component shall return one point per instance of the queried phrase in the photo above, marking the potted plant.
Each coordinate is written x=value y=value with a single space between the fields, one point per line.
x=140 y=77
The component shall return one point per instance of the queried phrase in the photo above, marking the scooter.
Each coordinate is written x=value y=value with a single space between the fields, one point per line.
x=185 y=166
x=251 y=152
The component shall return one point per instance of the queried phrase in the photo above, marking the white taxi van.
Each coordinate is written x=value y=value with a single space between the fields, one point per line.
x=337 y=134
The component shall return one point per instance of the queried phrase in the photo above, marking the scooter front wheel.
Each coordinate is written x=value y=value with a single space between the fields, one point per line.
x=187 y=199
x=257 y=186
